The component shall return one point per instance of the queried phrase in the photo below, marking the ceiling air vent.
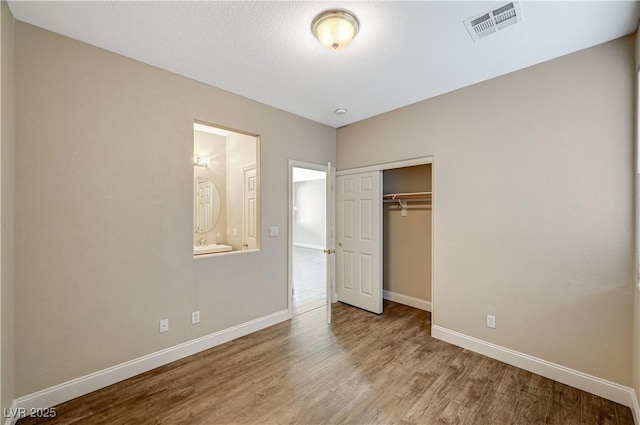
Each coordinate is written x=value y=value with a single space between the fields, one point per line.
x=494 y=20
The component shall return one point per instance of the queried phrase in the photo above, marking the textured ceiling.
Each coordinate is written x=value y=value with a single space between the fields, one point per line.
x=405 y=51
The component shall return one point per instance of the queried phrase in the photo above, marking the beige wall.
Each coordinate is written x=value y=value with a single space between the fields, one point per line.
x=407 y=240
x=523 y=228
x=215 y=148
x=7 y=135
x=104 y=219
x=636 y=292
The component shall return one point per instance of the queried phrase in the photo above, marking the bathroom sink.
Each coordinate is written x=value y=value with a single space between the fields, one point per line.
x=210 y=249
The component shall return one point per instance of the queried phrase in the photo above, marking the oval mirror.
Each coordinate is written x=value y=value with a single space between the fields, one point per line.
x=207 y=206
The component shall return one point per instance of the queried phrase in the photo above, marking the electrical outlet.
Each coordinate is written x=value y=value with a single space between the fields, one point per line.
x=491 y=321
x=164 y=325
x=273 y=231
x=195 y=317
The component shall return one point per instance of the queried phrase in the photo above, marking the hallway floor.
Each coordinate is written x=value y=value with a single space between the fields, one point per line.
x=309 y=279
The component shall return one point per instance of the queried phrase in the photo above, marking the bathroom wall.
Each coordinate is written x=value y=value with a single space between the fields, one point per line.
x=215 y=148
x=407 y=240
x=104 y=213
x=7 y=149
x=310 y=226
x=523 y=228
x=241 y=153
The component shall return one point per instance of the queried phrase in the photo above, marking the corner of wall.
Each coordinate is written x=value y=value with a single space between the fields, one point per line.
x=636 y=345
x=636 y=289
x=7 y=363
x=638 y=47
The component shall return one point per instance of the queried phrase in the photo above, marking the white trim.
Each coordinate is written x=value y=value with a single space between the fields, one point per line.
x=388 y=165
x=309 y=245
x=635 y=409
x=583 y=381
x=11 y=420
x=406 y=300
x=85 y=384
x=224 y=253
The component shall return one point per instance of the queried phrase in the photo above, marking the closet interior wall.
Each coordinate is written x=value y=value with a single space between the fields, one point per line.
x=407 y=240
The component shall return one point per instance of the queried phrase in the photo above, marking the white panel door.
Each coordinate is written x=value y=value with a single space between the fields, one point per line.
x=250 y=220
x=359 y=250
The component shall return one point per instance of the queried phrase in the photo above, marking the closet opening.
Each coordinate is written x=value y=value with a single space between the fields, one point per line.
x=407 y=233
x=384 y=235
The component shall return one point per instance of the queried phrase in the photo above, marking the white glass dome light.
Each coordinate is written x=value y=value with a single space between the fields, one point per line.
x=335 y=28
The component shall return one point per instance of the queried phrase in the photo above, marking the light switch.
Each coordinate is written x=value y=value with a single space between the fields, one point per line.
x=273 y=231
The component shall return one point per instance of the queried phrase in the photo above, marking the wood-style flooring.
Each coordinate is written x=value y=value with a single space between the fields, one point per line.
x=362 y=369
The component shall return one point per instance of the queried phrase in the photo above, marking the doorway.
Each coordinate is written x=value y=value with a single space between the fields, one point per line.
x=308 y=238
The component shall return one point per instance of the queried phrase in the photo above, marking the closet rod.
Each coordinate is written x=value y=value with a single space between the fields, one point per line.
x=406 y=195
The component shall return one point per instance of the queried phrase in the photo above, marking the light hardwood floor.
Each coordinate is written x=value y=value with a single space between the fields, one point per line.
x=362 y=369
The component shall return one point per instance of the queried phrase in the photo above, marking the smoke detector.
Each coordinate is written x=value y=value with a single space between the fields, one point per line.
x=494 y=20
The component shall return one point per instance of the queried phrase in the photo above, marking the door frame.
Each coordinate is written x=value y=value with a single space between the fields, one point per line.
x=311 y=166
x=424 y=160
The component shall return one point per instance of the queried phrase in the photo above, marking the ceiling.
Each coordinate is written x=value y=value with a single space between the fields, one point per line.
x=405 y=52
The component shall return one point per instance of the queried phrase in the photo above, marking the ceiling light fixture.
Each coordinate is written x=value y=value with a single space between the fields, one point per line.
x=335 y=28
x=340 y=111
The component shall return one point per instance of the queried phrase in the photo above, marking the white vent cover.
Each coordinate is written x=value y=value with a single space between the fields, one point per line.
x=494 y=20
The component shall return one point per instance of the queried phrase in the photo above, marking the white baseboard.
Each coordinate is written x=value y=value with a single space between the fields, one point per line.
x=80 y=386
x=308 y=245
x=10 y=419
x=592 y=384
x=406 y=300
x=635 y=409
